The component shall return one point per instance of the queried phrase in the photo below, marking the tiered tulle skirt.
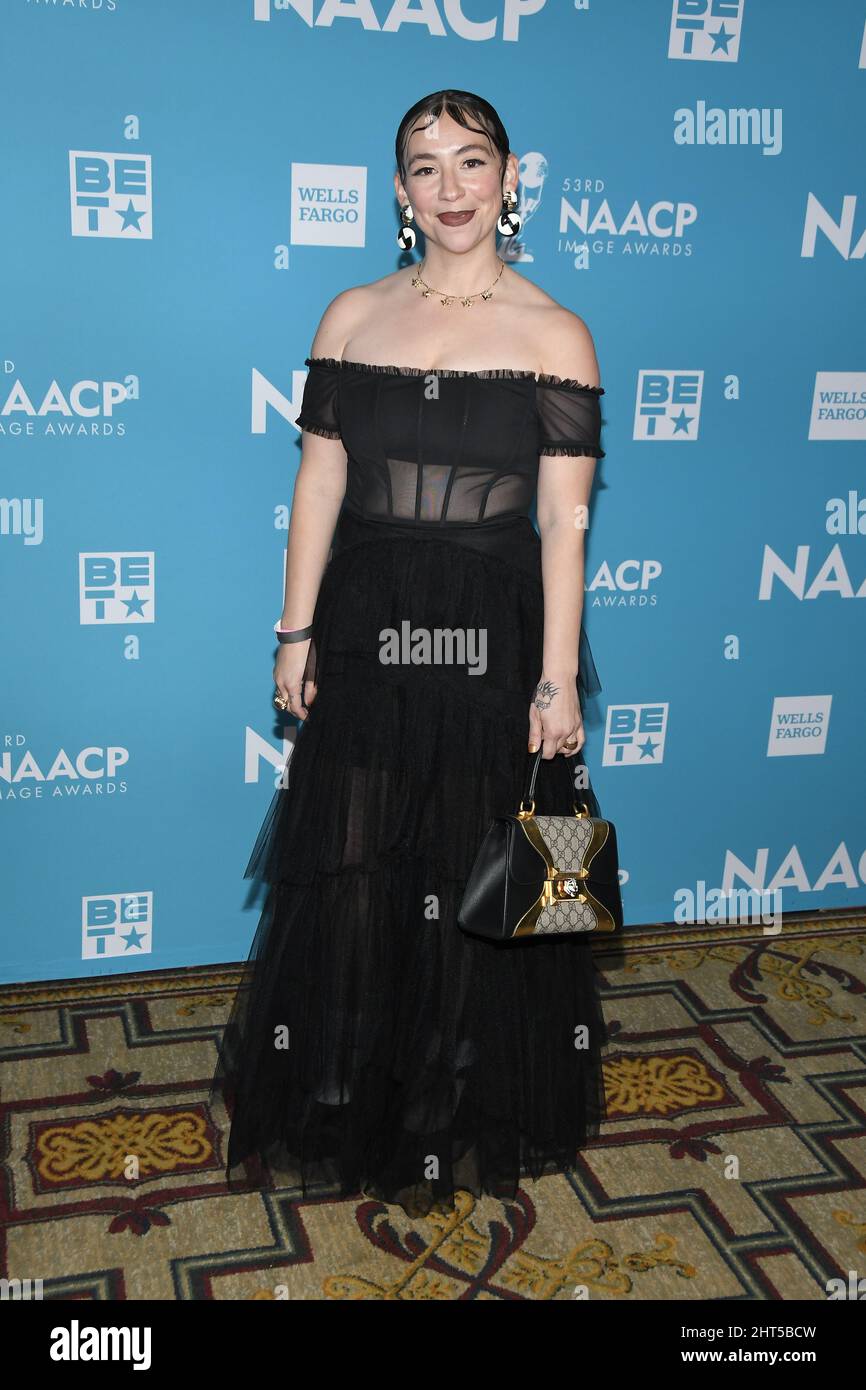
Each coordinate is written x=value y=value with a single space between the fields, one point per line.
x=375 y=1048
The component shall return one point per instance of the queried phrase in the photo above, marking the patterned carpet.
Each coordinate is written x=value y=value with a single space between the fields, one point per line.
x=732 y=1164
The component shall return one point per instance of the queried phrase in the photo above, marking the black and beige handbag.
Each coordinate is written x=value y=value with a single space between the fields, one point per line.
x=543 y=875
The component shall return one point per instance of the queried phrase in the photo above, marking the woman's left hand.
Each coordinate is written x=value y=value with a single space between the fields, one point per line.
x=555 y=718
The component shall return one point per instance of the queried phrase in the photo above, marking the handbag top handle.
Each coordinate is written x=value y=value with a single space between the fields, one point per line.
x=580 y=808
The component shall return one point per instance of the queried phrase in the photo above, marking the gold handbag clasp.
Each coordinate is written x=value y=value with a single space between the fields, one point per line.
x=564 y=887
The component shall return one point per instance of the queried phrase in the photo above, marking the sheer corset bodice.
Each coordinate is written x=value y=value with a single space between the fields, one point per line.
x=446 y=446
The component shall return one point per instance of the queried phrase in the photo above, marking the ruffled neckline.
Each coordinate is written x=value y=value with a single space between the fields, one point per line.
x=490 y=373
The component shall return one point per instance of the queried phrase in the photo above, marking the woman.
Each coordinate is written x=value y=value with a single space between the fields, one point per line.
x=378 y=1047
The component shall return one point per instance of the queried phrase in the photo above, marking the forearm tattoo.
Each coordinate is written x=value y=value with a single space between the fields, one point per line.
x=544 y=693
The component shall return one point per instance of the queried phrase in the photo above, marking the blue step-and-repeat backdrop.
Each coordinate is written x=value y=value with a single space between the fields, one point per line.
x=186 y=186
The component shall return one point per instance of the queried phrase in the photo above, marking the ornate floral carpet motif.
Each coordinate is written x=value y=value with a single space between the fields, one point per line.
x=732 y=1164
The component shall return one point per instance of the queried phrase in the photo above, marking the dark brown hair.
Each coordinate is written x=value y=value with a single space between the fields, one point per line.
x=463 y=107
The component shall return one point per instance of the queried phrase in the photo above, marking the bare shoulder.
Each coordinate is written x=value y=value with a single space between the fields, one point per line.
x=567 y=347
x=562 y=340
x=335 y=325
x=350 y=309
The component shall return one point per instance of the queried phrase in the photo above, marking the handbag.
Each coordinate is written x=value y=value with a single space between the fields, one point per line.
x=543 y=875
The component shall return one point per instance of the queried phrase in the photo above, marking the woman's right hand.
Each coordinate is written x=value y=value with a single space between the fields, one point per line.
x=289 y=677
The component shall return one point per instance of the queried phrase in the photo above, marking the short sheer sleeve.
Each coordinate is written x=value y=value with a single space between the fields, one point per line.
x=569 y=417
x=320 y=406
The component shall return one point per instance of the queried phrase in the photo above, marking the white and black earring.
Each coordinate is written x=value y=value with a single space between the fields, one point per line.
x=406 y=234
x=509 y=220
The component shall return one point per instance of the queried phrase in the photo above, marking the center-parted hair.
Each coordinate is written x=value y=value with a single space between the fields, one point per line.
x=467 y=109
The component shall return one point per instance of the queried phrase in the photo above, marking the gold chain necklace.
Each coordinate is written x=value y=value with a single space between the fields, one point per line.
x=448 y=299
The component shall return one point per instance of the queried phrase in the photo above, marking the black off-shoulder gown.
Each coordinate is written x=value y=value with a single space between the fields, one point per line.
x=374 y=1048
